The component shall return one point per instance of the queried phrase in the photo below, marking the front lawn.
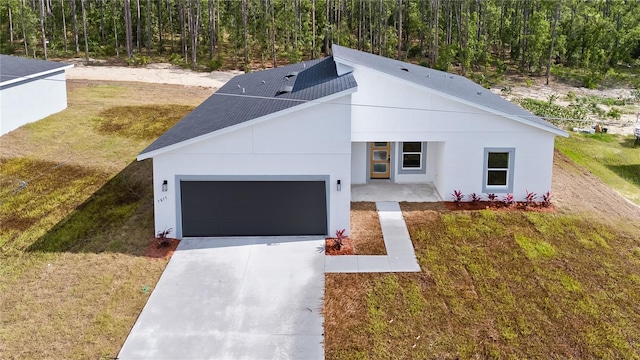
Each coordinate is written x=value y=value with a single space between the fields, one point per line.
x=76 y=214
x=495 y=285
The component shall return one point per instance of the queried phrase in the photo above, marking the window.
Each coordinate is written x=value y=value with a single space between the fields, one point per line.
x=411 y=158
x=498 y=170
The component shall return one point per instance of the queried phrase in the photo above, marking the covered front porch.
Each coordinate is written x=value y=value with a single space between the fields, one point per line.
x=385 y=190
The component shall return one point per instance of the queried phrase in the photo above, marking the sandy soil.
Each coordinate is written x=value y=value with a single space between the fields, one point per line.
x=538 y=90
x=575 y=189
x=161 y=73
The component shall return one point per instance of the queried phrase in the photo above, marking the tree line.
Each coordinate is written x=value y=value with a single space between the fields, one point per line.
x=472 y=35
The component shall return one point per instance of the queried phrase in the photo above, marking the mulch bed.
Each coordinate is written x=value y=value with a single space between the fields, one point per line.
x=331 y=247
x=155 y=251
x=366 y=232
x=498 y=206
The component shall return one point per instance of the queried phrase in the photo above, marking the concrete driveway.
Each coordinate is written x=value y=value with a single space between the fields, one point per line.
x=235 y=298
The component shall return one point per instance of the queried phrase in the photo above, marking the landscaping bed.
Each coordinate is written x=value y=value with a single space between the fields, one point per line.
x=366 y=233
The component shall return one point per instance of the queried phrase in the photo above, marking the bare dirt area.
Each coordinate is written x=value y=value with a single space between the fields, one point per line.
x=575 y=189
x=160 y=73
x=540 y=91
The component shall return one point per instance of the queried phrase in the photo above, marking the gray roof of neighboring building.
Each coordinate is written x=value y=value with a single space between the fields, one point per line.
x=253 y=95
x=15 y=69
x=440 y=81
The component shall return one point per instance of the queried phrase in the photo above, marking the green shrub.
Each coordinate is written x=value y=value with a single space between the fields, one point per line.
x=592 y=80
x=556 y=114
x=614 y=113
x=138 y=60
x=215 y=64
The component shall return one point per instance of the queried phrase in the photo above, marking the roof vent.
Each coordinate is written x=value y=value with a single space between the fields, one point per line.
x=428 y=75
x=239 y=87
x=479 y=93
x=291 y=74
x=264 y=82
x=451 y=77
x=285 y=89
x=403 y=68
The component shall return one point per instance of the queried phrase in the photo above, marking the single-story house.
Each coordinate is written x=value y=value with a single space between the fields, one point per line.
x=275 y=152
x=30 y=90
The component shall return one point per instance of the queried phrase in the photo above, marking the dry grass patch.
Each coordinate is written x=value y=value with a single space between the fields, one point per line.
x=497 y=285
x=146 y=122
x=76 y=216
x=366 y=232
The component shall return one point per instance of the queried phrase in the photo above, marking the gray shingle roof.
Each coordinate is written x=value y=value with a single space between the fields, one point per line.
x=439 y=81
x=15 y=69
x=253 y=95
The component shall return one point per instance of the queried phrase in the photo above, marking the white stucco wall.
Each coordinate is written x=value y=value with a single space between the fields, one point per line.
x=359 y=166
x=533 y=165
x=31 y=101
x=389 y=109
x=314 y=141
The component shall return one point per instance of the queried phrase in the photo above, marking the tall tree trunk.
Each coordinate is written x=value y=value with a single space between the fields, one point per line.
x=84 y=29
x=523 y=46
x=10 y=22
x=313 y=29
x=44 y=36
x=138 y=25
x=327 y=44
x=24 y=30
x=273 y=35
x=171 y=40
x=380 y=28
x=74 y=19
x=195 y=26
x=212 y=29
x=115 y=27
x=556 y=15
x=64 y=27
x=421 y=28
x=102 y=37
x=245 y=35
x=399 y=29
x=148 y=27
x=160 y=38
x=183 y=30
x=128 y=28
x=436 y=32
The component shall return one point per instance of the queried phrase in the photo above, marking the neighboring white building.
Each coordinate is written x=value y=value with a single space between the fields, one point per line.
x=30 y=90
x=275 y=152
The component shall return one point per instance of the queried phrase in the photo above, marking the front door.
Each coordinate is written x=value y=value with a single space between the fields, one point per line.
x=380 y=156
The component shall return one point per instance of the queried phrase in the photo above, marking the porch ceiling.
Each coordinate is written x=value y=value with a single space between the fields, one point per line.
x=385 y=190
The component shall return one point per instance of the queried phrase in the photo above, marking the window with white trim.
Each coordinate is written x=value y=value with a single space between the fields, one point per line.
x=498 y=170
x=412 y=155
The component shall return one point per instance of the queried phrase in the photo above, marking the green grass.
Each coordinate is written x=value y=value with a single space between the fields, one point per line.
x=613 y=158
x=77 y=216
x=497 y=285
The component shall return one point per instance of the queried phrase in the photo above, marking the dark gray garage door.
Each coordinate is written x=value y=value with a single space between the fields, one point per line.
x=253 y=208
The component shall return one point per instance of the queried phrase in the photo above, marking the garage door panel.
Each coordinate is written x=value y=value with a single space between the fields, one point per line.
x=253 y=208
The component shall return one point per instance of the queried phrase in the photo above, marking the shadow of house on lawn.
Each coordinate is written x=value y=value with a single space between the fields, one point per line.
x=116 y=218
x=630 y=173
x=630 y=142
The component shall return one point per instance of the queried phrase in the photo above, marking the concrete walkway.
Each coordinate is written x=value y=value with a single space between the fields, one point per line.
x=400 y=256
x=385 y=190
x=235 y=298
